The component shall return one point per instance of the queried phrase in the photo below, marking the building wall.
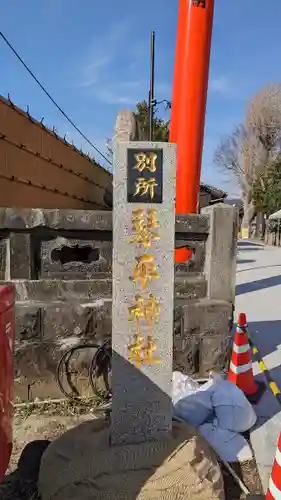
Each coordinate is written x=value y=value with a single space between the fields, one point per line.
x=39 y=169
x=204 y=199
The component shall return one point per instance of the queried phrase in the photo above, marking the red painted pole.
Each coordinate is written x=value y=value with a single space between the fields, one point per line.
x=192 y=59
x=194 y=54
x=180 y=44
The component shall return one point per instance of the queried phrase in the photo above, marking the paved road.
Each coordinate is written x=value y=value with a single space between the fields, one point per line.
x=258 y=294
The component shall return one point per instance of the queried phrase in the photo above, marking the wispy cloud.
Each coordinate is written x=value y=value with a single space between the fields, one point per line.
x=110 y=73
x=102 y=54
x=118 y=31
x=118 y=94
x=93 y=70
x=129 y=92
x=125 y=92
x=221 y=85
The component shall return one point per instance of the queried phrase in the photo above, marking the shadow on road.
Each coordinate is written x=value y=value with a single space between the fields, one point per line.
x=251 y=249
x=245 y=261
x=266 y=336
x=254 y=286
x=250 y=244
x=255 y=268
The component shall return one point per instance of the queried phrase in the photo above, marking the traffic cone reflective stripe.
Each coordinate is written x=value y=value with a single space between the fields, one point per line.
x=274 y=487
x=240 y=349
x=240 y=369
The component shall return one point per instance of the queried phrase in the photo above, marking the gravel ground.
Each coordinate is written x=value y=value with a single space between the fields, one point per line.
x=49 y=423
x=248 y=472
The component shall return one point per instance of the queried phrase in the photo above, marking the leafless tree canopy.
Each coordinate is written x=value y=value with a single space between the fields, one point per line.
x=253 y=145
x=263 y=116
x=229 y=155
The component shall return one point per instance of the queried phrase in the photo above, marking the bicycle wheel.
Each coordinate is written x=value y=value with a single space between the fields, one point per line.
x=100 y=371
x=64 y=368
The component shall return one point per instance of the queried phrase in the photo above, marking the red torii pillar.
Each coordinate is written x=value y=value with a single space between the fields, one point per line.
x=191 y=73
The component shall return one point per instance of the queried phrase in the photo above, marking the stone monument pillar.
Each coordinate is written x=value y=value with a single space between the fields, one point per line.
x=143 y=290
x=140 y=455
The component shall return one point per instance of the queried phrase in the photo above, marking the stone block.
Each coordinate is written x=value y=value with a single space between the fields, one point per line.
x=62 y=290
x=69 y=259
x=83 y=220
x=29 y=323
x=194 y=322
x=4 y=259
x=190 y=286
x=35 y=368
x=206 y=317
x=88 y=220
x=215 y=353
x=48 y=290
x=71 y=325
x=126 y=126
x=192 y=224
x=21 y=262
x=71 y=220
x=220 y=260
x=186 y=354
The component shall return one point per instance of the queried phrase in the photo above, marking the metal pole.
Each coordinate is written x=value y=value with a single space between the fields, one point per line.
x=151 y=87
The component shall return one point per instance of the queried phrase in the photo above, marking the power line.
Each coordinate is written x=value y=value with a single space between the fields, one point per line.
x=53 y=101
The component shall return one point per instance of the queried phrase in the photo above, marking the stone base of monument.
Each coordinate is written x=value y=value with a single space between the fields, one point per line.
x=82 y=464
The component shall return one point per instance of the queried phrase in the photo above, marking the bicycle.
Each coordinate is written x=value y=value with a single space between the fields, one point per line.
x=99 y=370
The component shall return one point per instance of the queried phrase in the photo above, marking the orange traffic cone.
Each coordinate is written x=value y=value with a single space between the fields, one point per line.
x=274 y=487
x=240 y=370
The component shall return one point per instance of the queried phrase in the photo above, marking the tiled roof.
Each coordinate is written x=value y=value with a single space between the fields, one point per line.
x=216 y=193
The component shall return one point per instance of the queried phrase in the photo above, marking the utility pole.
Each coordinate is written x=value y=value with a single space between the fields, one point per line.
x=151 y=100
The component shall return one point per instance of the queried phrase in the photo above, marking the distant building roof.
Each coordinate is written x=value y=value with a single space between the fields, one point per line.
x=234 y=201
x=238 y=203
x=215 y=192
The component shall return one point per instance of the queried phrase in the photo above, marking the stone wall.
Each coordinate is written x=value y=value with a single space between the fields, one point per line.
x=60 y=262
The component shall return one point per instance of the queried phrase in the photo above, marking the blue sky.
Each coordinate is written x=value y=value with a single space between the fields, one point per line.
x=93 y=58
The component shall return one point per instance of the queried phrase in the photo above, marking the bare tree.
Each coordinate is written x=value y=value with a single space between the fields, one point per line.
x=263 y=118
x=253 y=146
x=234 y=156
x=229 y=155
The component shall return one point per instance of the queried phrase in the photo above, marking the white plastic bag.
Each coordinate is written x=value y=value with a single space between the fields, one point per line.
x=210 y=385
x=232 y=409
x=183 y=384
x=190 y=403
x=230 y=446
